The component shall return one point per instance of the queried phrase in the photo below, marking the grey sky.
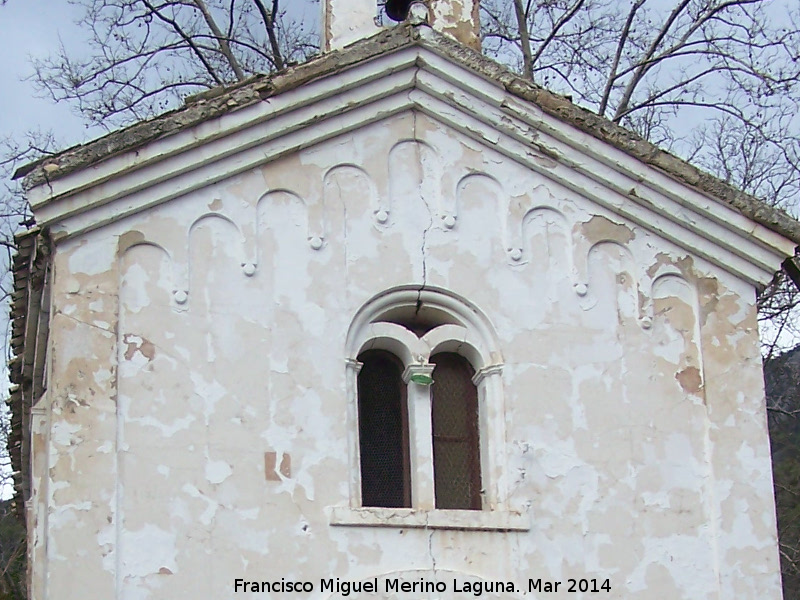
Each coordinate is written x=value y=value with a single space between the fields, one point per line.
x=35 y=28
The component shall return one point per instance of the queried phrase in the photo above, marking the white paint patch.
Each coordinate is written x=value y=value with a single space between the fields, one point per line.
x=742 y=533
x=135 y=288
x=102 y=376
x=670 y=345
x=217 y=471
x=166 y=429
x=250 y=514
x=210 y=391
x=149 y=550
x=556 y=460
x=658 y=499
x=181 y=351
x=106 y=539
x=211 y=506
x=579 y=416
x=278 y=364
x=67 y=517
x=314 y=319
x=95 y=258
x=132 y=366
x=63 y=433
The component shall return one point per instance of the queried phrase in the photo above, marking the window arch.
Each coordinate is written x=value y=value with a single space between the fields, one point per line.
x=448 y=412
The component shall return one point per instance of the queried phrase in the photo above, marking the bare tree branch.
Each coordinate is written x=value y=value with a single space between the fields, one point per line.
x=522 y=23
x=563 y=20
x=146 y=55
x=269 y=25
x=221 y=39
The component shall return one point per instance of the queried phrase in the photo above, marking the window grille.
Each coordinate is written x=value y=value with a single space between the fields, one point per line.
x=456 y=447
x=383 y=431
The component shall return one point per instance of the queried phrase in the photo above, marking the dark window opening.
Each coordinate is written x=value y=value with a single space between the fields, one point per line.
x=383 y=431
x=456 y=446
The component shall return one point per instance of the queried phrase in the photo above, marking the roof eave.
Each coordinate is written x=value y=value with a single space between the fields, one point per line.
x=205 y=106
x=220 y=102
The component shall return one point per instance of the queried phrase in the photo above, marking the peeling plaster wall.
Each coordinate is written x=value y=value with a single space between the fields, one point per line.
x=196 y=419
x=460 y=19
x=347 y=21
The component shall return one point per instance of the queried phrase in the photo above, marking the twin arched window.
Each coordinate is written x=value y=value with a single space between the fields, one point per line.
x=427 y=402
x=384 y=432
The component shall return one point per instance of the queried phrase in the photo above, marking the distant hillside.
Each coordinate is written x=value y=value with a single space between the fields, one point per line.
x=782 y=381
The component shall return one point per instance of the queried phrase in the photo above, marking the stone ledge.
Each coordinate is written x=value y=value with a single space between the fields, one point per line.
x=474 y=520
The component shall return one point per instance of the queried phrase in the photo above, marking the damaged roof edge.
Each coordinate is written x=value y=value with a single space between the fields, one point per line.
x=29 y=267
x=220 y=101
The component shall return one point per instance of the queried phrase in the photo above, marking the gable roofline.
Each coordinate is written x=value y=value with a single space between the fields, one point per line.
x=204 y=106
x=218 y=102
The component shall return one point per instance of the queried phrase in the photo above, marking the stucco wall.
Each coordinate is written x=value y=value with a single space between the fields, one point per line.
x=191 y=342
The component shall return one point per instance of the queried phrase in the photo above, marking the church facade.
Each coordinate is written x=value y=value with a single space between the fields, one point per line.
x=395 y=323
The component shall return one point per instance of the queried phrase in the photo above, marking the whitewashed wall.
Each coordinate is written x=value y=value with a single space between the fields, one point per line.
x=196 y=416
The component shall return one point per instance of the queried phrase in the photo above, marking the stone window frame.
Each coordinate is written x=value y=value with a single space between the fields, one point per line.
x=466 y=331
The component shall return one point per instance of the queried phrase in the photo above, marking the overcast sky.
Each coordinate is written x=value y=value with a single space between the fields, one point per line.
x=34 y=28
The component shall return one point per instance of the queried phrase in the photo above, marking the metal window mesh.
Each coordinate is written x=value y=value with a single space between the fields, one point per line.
x=454 y=411
x=383 y=431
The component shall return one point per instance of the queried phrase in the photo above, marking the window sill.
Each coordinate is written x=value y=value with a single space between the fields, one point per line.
x=474 y=520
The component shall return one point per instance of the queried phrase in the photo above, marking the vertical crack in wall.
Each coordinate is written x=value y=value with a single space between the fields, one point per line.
x=423 y=248
x=430 y=545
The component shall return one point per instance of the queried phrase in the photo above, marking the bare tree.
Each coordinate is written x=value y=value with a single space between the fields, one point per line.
x=715 y=81
x=766 y=167
x=661 y=68
x=733 y=57
x=14 y=210
x=144 y=56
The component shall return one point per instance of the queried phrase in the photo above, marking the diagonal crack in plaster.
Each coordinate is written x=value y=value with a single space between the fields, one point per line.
x=82 y=322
